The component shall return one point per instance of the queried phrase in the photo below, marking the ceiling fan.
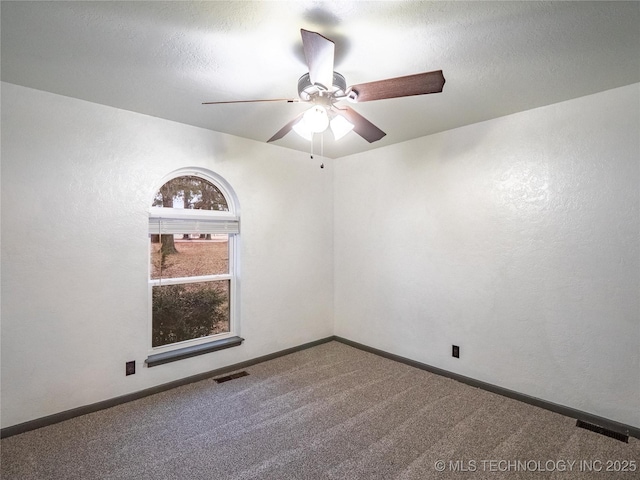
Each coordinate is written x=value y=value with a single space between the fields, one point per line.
x=324 y=88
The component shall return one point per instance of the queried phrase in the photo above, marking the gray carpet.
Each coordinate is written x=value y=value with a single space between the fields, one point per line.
x=329 y=412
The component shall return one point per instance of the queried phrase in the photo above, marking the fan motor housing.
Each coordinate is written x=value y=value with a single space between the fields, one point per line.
x=308 y=91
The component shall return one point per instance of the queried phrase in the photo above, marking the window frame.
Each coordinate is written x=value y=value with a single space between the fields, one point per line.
x=223 y=340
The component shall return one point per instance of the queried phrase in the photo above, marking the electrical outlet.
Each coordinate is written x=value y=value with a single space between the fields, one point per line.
x=455 y=351
x=130 y=368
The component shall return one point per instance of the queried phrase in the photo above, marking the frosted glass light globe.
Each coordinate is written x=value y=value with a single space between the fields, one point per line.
x=316 y=119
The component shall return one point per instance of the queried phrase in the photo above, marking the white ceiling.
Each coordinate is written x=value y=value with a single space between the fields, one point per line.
x=165 y=58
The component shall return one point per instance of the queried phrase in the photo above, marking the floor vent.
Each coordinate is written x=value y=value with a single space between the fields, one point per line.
x=603 y=431
x=233 y=376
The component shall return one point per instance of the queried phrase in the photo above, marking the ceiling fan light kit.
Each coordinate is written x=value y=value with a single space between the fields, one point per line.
x=340 y=126
x=323 y=87
x=316 y=120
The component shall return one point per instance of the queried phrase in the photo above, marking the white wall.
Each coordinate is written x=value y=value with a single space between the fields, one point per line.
x=516 y=239
x=77 y=180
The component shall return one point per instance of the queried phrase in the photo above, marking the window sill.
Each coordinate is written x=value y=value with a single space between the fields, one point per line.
x=192 y=351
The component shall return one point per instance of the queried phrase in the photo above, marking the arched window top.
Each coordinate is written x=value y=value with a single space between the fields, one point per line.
x=194 y=192
x=190 y=192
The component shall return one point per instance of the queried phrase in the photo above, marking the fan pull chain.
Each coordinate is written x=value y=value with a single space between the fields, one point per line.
x=313 y=136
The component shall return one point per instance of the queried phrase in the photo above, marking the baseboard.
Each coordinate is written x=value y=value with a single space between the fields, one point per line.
x=112 y=402
x=554 y=407
x=94 y=407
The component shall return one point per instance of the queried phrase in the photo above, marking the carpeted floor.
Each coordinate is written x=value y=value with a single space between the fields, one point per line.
x=329 y=412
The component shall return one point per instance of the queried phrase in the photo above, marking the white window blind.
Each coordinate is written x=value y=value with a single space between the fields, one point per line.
x=168 y=226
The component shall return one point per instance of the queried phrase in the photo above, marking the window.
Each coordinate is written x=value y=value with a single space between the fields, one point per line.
x=193 y=230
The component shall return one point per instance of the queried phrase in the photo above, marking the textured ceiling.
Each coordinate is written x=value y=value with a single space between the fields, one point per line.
x=165 y=58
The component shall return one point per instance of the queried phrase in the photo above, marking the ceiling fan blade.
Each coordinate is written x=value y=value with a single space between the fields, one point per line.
x=286 y=129
x=418 y=84
x=318 y=52
x=288 y=100
x=361 y=125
